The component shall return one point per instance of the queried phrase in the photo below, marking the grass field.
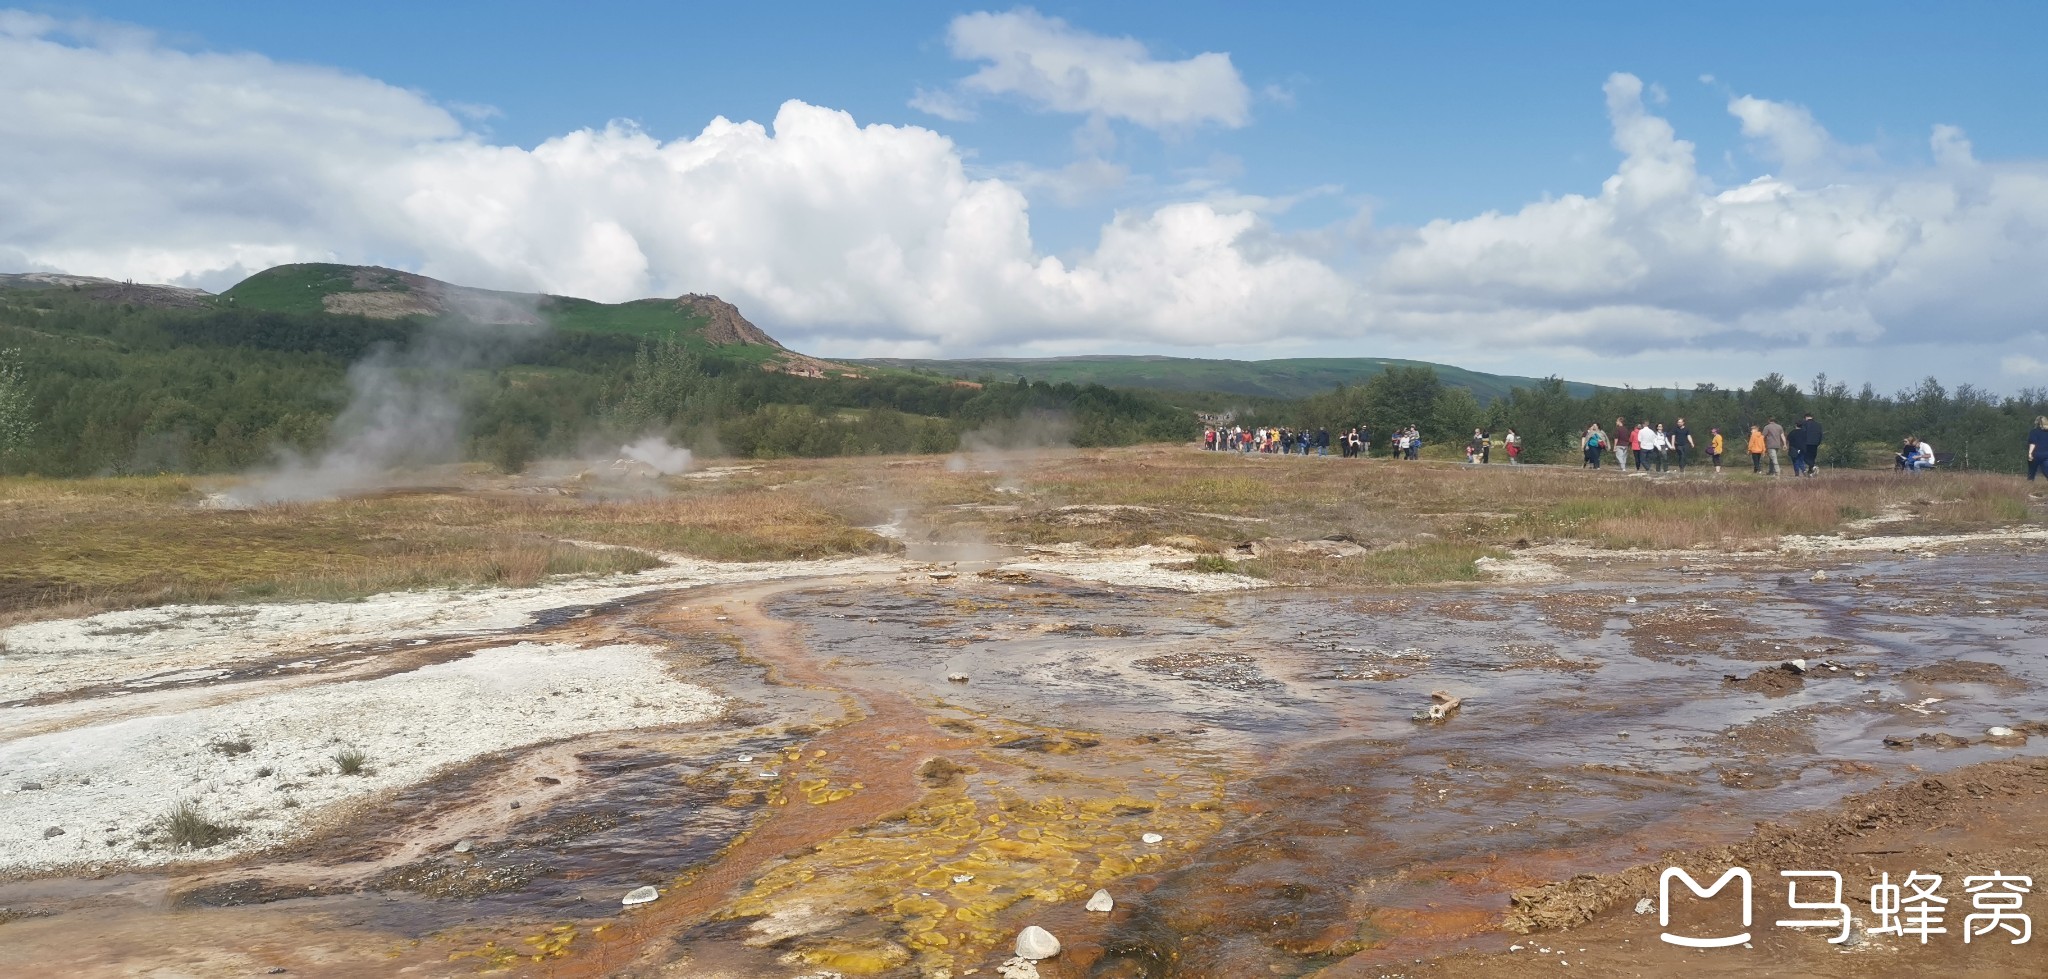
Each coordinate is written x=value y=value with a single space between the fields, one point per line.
x=111 y=542
x=105 y=543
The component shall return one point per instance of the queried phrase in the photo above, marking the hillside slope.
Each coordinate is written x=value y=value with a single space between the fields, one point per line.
x=1285 y=379
x=707 y=323
x=96 y=289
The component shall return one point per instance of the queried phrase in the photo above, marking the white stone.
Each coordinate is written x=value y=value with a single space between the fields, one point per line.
x=1645 y=906
x=1796 y=665
x=1153 y=838
x=2000 y=732
x=640 y=895
x=1017 y=969
x=1101 y=901
x=1036 y=943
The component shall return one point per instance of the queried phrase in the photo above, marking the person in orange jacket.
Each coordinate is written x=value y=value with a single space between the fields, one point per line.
x=1714 y=447
x=1756 y=450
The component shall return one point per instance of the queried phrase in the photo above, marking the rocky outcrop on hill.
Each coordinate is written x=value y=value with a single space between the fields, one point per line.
x=723 y=323
x=382 y=293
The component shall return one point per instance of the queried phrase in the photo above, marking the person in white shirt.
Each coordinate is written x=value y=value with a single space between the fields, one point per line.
x=1923 y=456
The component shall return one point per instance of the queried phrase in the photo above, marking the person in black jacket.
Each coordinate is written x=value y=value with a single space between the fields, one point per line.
x=1322 y=441
x=1810 y=442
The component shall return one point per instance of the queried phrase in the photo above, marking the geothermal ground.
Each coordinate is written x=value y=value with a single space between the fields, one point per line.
x=861 y=717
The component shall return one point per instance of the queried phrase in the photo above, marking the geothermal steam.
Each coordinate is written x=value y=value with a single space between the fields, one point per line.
x=655 y=452
x=403 y=411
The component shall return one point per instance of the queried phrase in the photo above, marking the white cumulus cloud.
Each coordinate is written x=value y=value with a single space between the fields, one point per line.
x=135 y=159
x=1660 y=255
x=124 y=156
x=1050 y=64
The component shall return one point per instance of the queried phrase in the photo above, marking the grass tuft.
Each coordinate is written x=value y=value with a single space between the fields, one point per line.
x=187 y=826
x=351 y=761
x=1213 y=564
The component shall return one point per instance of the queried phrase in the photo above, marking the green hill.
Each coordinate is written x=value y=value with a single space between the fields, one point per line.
x=1281 y=379
x=706 y=324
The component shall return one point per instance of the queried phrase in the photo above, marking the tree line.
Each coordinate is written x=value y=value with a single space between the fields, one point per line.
x=1863 y=428
x=90 y=388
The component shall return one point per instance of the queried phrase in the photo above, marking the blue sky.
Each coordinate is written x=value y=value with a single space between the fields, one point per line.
x=1429 y=110
x=1361 y=125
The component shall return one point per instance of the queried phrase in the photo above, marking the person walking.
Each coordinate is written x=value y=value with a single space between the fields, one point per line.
x=1514 y=444
x=1635 y=443
x=1620 y=440
x=1756 y=450
x=1681 y=444
x=1774 y=441
x=1809 y=440
x=1795 y=446
x=1660 y=444
x=1714 y=446
x=2037 y=448
x=1322 y=441
x=1594 y=442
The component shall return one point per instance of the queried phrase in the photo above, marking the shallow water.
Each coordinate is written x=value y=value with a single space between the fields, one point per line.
x=1593 y=729
x=1309 y=819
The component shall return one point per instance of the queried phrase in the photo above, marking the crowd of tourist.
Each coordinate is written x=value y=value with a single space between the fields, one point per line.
x=1406 y=443
x=1648 y=446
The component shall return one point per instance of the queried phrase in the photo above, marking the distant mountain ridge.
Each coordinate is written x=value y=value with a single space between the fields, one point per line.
x=717 y=328
x=111 y=290
x=1285 y=379
x=703 y=321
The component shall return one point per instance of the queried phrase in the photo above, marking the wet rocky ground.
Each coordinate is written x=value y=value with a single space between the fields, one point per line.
x=918 y=767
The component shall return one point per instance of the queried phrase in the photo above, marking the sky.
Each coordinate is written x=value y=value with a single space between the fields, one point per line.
x=1604 y=191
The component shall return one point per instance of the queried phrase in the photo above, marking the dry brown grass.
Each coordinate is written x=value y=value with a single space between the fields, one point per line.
x=84 y=545
x=81 y=547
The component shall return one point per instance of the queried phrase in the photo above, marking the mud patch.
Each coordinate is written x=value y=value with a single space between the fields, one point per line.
x=1234 y=671
x=459 y=877
x=247 y=891
x=1775 y=681
x=1965 y=671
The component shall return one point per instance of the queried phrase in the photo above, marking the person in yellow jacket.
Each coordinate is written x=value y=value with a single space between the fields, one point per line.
x=1714 y=447
x=1756 y=450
